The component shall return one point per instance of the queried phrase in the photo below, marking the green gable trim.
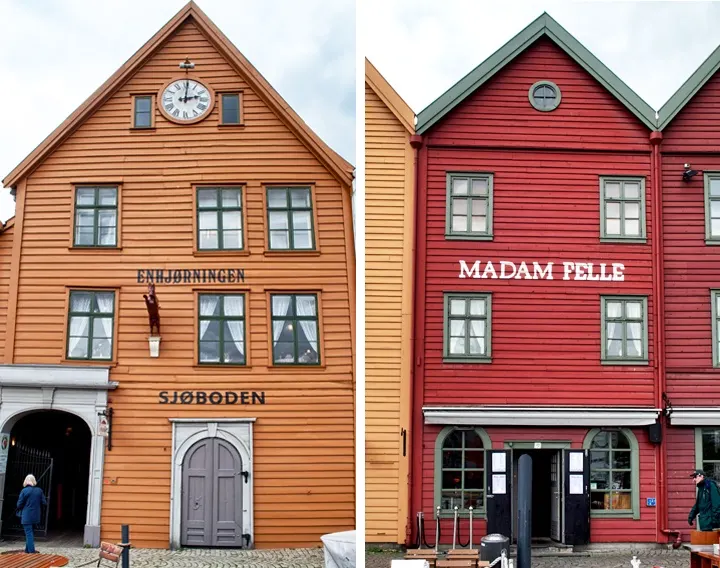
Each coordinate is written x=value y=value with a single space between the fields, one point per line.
x=544 y=26
x=689 y=89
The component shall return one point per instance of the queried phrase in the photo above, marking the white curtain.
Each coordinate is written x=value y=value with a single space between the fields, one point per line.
x=79 y=325
x=207 y=308
x=614 y=329
x=306 y=307
x=105 y=305
x=236 y=330
x=279 y=308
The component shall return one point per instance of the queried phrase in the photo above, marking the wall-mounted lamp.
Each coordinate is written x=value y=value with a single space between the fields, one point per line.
x=689 y=173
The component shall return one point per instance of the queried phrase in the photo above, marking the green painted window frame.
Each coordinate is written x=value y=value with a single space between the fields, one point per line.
x=469 y=235
x=137 y=113
x=439 y=441
x=289 y=210
x=487 y=298
x=95 y=207
x=295 y=319
x=633 y=513
x=92 y=315
x=715 y=322
x=219 y=209
x=708 y=177
x=554 y=87
x=624 y=360
x=222 y=318
x=700 y=460
x=622 y=200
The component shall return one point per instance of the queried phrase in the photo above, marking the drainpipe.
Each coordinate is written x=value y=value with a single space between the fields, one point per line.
x=416 y=343
x=656 y=138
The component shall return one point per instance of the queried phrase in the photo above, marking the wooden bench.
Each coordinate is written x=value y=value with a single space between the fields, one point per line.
x=428 y=554
x=22 y=560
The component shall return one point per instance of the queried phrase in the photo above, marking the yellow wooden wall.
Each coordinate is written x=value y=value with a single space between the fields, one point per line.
x=6 y=243
x=304 y=435
x=389 y=214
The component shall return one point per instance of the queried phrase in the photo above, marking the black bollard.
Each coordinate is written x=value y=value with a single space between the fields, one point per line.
x=125 y=538
x=524 y=511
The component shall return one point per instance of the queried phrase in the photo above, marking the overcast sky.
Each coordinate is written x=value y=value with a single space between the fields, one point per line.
x=424 y=47
x=55 y=53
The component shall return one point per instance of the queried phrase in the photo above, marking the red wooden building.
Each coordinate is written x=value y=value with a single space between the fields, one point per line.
x=536 y=309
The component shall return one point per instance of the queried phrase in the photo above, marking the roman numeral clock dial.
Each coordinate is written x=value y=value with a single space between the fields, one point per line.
x=186 y=101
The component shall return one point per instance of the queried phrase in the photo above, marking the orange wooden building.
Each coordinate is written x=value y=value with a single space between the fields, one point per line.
x=231 y=421
x=389 y=215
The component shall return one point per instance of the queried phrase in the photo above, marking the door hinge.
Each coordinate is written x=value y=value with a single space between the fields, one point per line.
x=246 y=475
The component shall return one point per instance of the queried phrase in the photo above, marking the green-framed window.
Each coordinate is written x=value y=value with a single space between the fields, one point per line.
x=295 y=329
x=712 y=207
x=290 y=218
x=614 y=472
x=467 y=328
x=460 y=469
x=230 y=105
x=96 y=216
x=221 y=334
x=624 y=334
x=469 y=206
x=707 y=451
x=220 y=220
x=91 y=324
x=715 y=311
x=622 y=209
x=142 y=117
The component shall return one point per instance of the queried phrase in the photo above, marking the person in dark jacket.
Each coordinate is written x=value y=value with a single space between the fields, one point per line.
x=707 y=503
x=29 y=506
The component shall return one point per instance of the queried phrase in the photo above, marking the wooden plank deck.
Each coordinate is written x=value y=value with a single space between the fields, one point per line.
x=21 y=560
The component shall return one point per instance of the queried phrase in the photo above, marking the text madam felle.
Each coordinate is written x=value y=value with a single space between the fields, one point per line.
x=571 y=270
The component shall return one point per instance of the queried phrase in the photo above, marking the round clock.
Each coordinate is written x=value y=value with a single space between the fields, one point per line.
x=186 y=100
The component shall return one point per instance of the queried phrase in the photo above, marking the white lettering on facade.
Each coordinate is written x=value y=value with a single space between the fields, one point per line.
x=586 y=271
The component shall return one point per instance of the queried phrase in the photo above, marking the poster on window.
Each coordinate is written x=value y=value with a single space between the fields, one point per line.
x=498 y=484
x=576 y=461
x=4 y=447
x=577 y=486
x=498 y=462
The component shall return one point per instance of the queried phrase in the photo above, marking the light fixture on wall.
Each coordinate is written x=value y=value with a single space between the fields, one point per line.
x=689 y=173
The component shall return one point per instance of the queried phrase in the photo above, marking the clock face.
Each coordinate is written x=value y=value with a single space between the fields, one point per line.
x=186 y=100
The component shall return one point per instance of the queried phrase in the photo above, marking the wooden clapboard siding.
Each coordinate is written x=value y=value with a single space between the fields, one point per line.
x=6 y=245
x=389 y=213
x=304 y=435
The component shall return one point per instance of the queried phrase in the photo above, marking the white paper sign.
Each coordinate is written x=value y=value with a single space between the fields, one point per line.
x=576 y=461
x=498 y=484
x=577 y=487
x=498 y=462
x=4 y=447
x=537 y=445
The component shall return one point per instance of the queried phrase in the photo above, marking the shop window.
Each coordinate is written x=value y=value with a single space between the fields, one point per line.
x=624 y=336
x=96 y=216
x=614 y=473
x=467 y=327
x=290 y=218
x=707 y=451
x=712 y=207
x=222 y=329
x=91 y=325
x=622 y=209
x=219 y=221
x=295 y=329
x=469 y=206
x=460 y=470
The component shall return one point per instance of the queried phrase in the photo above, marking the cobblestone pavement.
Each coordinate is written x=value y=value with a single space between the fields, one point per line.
x=649 y=559
x=201 y=558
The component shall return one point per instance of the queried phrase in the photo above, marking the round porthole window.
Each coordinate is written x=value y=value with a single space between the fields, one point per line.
x=544 y=96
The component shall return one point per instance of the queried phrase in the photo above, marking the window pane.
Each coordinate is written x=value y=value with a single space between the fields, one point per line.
x=81 y=302
x=634 y=331
x=634 y=310
x=209 y=305
x=284 y=352
x=632 y=210
x=85 y=217
x=613 y=309
x=457 y=328
x=477 y=307
x=102 y=328
x=107 y=218
x=599 y=460
x=85 y=196
x=84 y=236
x=277 y=198
x=210 y=351
x=306 y=306
x=302 y=240
x=234 y=344
x=634 y=348
x=477 y=328
x=279 y=240
x=451 y=479
x=143 y=120
x=632 y=228
x=452 y=458
x=459 y=224
x=597 y=501
x=101 y=349
x=208 y=220
x=79 y=326
x=450 y=499
x=457 y=307
x=460 y=206
x=209 y=240
x=715 y=186
x=621 y=460
x=302 y=220
x=473 y=499
x=210 y=330
x=207 y=198
x=278 y=220
x=457 y=346
x=600 y=479
x=612 y=190
x=106 y=236
x=479 y=224
x=233 y=306
x=142 y=104
x=231 y=198
x=474 y=479
x=282 y=306
x=612 y=226
x=614 y=348
x=477 y=346
x=232 y=239
x=104 y=302
x=454 y=440
x=711 y=444
x=78 y=347
x=715 y=209
x=479 y=207
x=601 y=440
x=230 y=220
x=619 y=441
x=460 y=186
x=230 y=109
x=715 y=228
x=632 y=191
x=472 y=440
x=300 y=198
x=107 y=196
x=479 y=187
x=612 y=210
x=614 y=330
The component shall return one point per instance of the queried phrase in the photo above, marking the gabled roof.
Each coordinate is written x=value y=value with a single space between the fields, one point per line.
x=340 y=168
x=389 y=97
x=544 y=26
x=689 y=89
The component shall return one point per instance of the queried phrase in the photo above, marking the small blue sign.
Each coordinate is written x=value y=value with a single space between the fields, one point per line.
x=651 y=502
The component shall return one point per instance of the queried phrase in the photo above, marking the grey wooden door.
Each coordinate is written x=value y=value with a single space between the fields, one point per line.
x=212 y=495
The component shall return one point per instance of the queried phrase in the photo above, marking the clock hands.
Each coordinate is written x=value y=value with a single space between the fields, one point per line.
x=187 y=86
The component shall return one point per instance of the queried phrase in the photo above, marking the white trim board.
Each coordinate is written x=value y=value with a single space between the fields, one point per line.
x=697 y=416
x=539 y=416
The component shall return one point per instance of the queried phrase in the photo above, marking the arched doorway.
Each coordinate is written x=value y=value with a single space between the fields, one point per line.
x=212 y=508
x=55 y=447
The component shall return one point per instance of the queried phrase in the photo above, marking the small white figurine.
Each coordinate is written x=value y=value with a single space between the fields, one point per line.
x=635 y=563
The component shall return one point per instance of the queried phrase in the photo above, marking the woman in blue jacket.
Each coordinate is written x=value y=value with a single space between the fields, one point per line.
x=29 y=506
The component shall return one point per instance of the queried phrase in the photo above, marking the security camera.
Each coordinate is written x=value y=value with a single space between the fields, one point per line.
x=688 y=173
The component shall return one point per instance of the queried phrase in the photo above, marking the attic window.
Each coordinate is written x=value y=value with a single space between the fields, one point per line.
x=544 y=96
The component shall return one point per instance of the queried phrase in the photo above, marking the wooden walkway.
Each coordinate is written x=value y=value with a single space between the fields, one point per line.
x=21 y=560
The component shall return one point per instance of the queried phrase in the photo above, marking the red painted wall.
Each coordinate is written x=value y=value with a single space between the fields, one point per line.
x=681 y=490
x=695 y=128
